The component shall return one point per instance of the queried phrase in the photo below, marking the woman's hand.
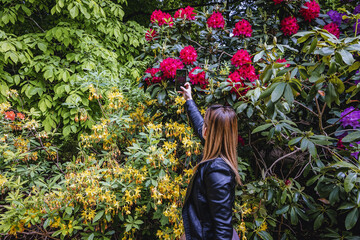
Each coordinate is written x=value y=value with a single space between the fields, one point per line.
x=186 y=91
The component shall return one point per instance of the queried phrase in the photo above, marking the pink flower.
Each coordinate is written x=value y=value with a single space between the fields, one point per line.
x=241 y=57
x=247 y=72
x=10 y=115
x=216 y=20
x=310 y=10
x=188 y=55
x=289 y=26
x=187 y=13
x=198 y=78
x=150 y=35
x=161 y=18
x=278 y=1
x=281 y=61
x=333 y=29
x=242 y=28
x=154 y=78
x=287 y=182
x=169 y=66
x=340 y=144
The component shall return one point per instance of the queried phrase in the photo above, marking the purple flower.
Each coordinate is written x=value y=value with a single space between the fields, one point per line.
x=335 y=16
x=355 y=154
x=357 y=9
x=350 y=117
x=357 y=81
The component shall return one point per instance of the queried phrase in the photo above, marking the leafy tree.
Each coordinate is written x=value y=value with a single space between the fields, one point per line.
x=50 y=50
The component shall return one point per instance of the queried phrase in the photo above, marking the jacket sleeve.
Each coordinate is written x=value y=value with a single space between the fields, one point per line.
x=196 y=119
x=219 y=186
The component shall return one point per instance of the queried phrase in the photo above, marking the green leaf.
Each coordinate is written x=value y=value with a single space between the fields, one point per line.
x=352 y=136
x=349 y=182
x=68 y=210
x=46 y=223
x=347 y=57
x=351 y=219
x=312 y=180
x=318 y=221
x=293 y=217
x=288 y=94
x=261 y=128
x=312 y=46
x=91 y=236
x=278 y=92
x=265 y=235
x=98 y=216
x=282 y=210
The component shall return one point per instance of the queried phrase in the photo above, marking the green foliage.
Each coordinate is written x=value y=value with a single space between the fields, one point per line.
x=49 y=51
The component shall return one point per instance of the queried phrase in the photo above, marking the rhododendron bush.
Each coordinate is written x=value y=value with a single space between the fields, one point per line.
x=292 y=76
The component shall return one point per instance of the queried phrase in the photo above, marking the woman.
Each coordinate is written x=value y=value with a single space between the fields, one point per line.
x=207 y=210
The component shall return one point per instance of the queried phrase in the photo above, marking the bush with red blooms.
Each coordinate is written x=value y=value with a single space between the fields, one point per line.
x=188 y=55
x=169 y=66
x=153 y=78
x=310 y=10
x=197 y=77
x=10 y=115
x=150 y=35
x=187 y=13
x=241 y=57
x=216 y=20
x=242 y=28
x=161 y=18
x=278 y=1
x=289 y=26
x=333 y=29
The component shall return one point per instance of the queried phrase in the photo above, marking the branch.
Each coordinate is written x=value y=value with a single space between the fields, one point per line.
x=339 y=119
x=281 y=158
x=306 y=108
x=36 y=24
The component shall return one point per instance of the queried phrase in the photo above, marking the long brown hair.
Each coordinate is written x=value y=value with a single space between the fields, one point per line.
x=222 y=136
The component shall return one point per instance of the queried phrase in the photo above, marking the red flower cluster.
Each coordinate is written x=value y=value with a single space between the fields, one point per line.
x=198 y=78
x=242 y=28
x=216 y=20
x=289 y=26
x=188 y=55
x=187 y=13
x=281 y=61
x=169 y=66
x=154 y=78
x=241 y=140
x=161 y=18
x=239 y=76
x=333 y=29
x=241 y=57
x=10 y=115
x=278 y=1
x=310 y=10
x=150 y=35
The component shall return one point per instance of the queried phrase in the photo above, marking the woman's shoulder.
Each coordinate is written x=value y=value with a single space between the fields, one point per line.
x=217 y=164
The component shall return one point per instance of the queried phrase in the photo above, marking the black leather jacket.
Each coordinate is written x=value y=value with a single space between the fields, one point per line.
x=207 y=210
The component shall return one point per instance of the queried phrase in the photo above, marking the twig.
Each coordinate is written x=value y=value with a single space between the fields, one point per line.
x=36 y=24
x=339 y=119
x=303 y=169
x=306 y=108
x=281 y=158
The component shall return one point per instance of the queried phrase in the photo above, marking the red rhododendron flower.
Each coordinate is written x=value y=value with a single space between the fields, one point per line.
x=340 y=144
x=289 y=26
x=241 y=140
x=333 y=29
x=150 y=35
x=281 y=61
x=161 y=18
x=187 y=13
x=241 y=57
x=287 y=182
x=20 y=116
x=188 y=55
x=154 y=78
x=216 y=20
x=242 y=28
x=10 y=115
x=245 y=73
x=278 y=1
x=310 y=10
x=169 y=66
x=199 y=78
